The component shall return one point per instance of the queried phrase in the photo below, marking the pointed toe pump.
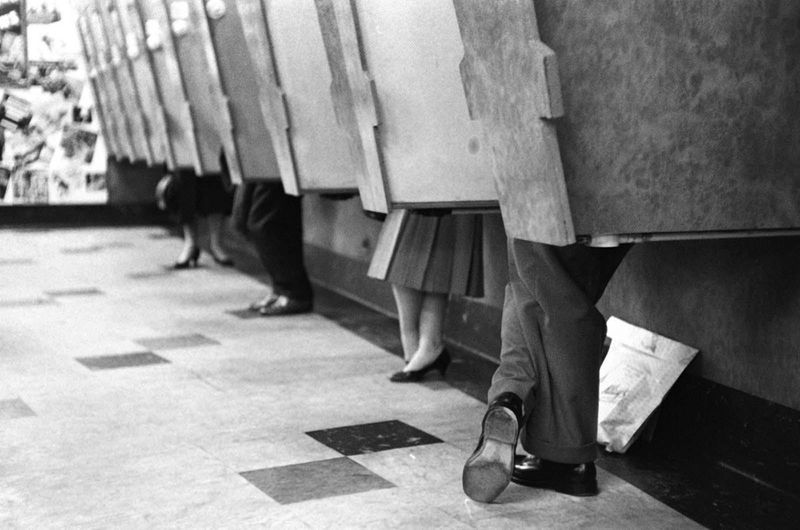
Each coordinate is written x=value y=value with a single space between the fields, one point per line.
x=189 y=262
x=412 y=376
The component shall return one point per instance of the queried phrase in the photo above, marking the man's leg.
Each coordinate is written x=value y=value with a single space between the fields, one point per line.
x=275 y=227
x=557 y=293
x=552 y=347
x=489 y=468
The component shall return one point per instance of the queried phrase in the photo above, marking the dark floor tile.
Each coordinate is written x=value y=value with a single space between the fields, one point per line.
x=244 y=314
x=11 y=409
x=144 y=275
x=175 y=341
x=315 y=480
x=82 y=250
x=125 y=360
x=25 y=302
x=87 y=291
x=16 y=261
x=372 y=437
x=118 y=244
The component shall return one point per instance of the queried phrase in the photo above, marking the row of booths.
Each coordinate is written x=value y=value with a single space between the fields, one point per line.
x=598 y=122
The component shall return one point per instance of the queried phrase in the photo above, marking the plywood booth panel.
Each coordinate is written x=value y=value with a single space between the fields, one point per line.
x=405 y=57
x=252 y=145
x=169 y=83
x=121 y=71
x=201 y=81
x=679 y=117
x=132 y=34
x=107 y=80
x=320 y=146
x=101 y=104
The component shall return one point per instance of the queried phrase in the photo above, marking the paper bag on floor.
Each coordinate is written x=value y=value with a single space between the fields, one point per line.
x=639 y=369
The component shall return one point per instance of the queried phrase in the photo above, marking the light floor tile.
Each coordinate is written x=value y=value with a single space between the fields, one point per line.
x=163 y=446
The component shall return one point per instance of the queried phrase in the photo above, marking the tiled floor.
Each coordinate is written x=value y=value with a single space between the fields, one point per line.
x=134 y=397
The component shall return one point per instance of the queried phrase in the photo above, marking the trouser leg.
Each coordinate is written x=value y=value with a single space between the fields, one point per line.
x=553 y=291
x=275 y=227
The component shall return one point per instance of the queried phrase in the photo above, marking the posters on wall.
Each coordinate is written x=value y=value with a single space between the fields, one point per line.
x=58 y=156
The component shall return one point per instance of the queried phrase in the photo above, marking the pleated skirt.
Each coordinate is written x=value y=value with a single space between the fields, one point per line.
x=431 y=254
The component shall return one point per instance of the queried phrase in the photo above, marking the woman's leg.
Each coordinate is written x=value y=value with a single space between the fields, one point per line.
x=190 y=243
x=431 y=325
x=409 y=305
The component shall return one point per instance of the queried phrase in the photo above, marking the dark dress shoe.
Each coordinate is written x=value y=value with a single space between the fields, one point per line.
x=488 y=471
x=441 y=363
x=264 y=302
x=284 y=305
x=579 y=480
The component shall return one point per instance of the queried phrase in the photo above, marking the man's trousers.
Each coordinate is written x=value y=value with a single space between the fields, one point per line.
x=273 y=221
x=552 y=340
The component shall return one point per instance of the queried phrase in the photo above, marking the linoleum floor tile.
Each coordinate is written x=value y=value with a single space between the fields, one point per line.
x=163 y=446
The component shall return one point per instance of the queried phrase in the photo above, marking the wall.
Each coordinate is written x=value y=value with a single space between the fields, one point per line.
x=736 y=300
x=132 y=183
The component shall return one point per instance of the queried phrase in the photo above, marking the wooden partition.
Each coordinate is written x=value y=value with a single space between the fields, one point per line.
x=398 y=89
x=107 y=80
x=291 y=67
x=241 y=106
x=680 y=119
x=124 y=15
x=128 y=94
x=163 y=58
x=201 y=79
x=102 y=110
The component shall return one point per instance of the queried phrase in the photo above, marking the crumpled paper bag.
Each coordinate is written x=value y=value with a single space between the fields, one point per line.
x=638 y=370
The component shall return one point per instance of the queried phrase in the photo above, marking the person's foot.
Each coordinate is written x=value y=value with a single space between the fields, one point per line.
x=283 y=305
x=488 y=470
x=264 y=302
x=188 y=257
x=573 y=479
x=422 y=359
x=440 y=363
x=219 y=256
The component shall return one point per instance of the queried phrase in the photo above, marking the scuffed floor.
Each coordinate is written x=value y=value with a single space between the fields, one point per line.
x=132 y=396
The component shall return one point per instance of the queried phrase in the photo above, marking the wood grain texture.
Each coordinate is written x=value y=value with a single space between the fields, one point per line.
x=431 y=150
x=353 y=97
x=321 y=148
x=202 y=86
x=150 y=100
x=239 y=83
x=169 y=83
x=270 y=96
x=121 y=71
x=679 y=115
x=107 y=80
x=386 y=244
x=101 y=105
x=511 y=80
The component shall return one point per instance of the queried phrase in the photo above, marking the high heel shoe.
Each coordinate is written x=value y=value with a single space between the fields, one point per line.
x=412 y=376
x=189 y=262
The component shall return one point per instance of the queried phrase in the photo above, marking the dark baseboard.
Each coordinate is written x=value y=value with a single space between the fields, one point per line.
x=53 y=216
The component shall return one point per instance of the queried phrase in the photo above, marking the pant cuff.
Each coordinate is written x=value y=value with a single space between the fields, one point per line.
x=521 y=389
x=558 y=453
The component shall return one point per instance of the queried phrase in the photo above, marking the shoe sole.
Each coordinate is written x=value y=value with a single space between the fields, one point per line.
x=488 y=471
